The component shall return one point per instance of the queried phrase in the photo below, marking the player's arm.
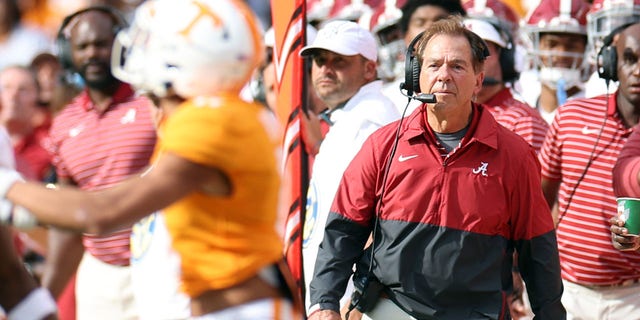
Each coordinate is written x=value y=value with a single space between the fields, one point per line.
x=172 y=178
x=19 y=293
x=64 y=252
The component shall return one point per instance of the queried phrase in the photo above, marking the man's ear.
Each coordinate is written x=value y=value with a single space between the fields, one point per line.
x=370 y=70
x=478 y=84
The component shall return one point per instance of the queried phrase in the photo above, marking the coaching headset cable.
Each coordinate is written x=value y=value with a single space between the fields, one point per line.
x=592 y=156
x=431 y=99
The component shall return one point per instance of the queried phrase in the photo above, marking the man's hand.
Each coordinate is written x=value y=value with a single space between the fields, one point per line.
x=354 y=314
x=325 y=315
x=517 y=308
x=620 y=237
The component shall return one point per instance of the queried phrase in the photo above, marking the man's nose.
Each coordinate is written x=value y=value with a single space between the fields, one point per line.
x=443 y=73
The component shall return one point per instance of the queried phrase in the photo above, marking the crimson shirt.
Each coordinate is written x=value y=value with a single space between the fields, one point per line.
x=447 y=227
x=518 y=117
x=32 y=153
x=98 y=150
x=586 y=200
x=627 y=168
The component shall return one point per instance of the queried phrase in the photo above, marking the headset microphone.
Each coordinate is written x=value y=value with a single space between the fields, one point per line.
x=425 y=98
x=422 y=97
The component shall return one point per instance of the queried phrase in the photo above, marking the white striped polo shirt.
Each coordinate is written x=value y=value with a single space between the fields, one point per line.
x=97 y=150
x=517 y=116
x=584 y=240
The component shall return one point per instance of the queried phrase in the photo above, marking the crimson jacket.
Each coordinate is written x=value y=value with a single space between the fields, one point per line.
x=627 y=168
x=447 y=228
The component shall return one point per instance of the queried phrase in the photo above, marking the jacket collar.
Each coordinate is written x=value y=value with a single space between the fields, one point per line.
x=483 y=127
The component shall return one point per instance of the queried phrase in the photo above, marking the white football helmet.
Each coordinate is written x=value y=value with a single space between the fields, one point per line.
x=351 y=10
x=318 y=11
x=605 y=16
x=494 y=11
x=557 y=16
x=195 y=47
x=384 y=24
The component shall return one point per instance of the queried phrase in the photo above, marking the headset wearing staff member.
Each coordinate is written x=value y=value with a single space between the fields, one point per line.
x=583 y=144
x=407 y=177
x=100 y=138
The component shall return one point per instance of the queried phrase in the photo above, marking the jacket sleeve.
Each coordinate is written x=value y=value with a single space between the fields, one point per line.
x=347 y=230
x=341 y=247
x=625 y=172
x=535 y=242
x=539 y=266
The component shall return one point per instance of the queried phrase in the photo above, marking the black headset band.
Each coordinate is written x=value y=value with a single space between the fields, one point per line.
x=118 y=18
x=62 y=41
x=607 y=59
x=608 y=40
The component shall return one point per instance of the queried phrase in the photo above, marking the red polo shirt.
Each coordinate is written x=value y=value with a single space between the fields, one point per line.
x=97 y=150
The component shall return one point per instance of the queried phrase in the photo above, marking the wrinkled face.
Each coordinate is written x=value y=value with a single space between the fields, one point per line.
x=421 y=19
x=447 y=71
x=562 y=50
x=91 y=40
x=628 y=50
x=18 y=98
x=336 y=78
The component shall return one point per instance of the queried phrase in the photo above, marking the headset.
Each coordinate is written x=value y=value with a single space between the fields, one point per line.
x=607 y=67
x=607 y=59
x=507 y=54
x=62 y=38
x=412 y=69
x=365 y=283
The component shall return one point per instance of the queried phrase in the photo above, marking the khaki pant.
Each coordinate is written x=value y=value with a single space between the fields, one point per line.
x=603 y=303
x=103 y=291
x=264 y=309
x=386 y=309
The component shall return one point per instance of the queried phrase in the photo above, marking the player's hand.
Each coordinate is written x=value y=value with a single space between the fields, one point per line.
x=16 y=216
x=7 y=178
x=620 y=237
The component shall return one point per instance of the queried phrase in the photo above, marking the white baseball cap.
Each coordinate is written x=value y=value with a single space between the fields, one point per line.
x=486 y=31
x=345 y=38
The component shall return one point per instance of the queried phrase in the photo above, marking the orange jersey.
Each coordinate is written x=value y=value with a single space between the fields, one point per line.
x=223 y=241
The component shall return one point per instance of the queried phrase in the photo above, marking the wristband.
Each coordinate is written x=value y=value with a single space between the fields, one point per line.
x=35 y=306
x=7 y=178
x=16 y=216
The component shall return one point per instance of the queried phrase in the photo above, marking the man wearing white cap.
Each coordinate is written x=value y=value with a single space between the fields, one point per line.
x=507 y=107
x=344 y=76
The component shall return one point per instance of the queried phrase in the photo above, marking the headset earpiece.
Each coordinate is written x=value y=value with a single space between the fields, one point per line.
x=62 y=44
x=608 y=63
x=607 y=59
x=507 y=55
x=415 y=74
x=412 y=68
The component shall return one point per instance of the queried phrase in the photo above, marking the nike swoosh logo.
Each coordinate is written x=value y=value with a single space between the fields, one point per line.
x=75 y=131
x=402 y=158
x=586 y=130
